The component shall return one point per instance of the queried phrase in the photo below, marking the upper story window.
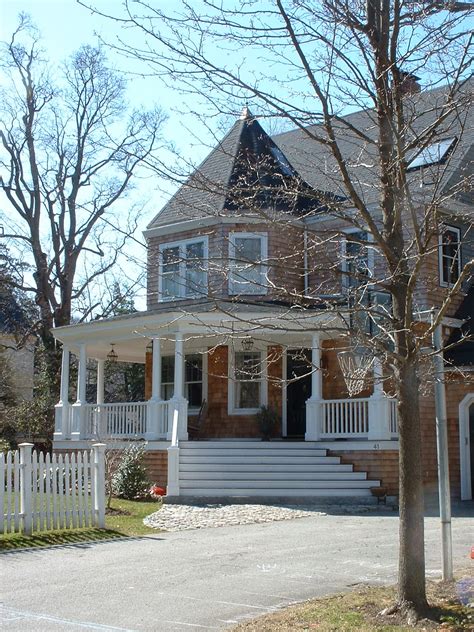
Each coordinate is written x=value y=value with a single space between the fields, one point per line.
x=449 y=255
x=435 y=154
x=183 y=269
x=357 y=260
x=247 y=273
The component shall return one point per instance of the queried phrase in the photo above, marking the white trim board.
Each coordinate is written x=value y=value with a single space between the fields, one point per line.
x=464 y=447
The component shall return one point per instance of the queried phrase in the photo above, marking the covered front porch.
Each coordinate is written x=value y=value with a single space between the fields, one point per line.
x=214 y=371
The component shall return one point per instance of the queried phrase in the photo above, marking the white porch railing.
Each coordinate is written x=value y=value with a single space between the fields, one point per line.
x=371 y=418
x=124 y=420
x=345 y=418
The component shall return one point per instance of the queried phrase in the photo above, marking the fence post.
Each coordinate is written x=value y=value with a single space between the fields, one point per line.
x=25 y=487
x=99 y=484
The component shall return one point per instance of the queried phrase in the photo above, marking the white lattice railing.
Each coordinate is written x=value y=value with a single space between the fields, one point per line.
x=345 y=418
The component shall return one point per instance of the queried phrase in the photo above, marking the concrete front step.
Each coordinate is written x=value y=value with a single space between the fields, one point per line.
x=275 y=484
x=228 y=451
x=280 y=459
x=263 y=467
x=250 y=444
x=264 y=492
x=274 y=476
x=259 y=468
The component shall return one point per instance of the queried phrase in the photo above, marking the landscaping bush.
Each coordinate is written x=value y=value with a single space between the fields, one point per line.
x=130 y=479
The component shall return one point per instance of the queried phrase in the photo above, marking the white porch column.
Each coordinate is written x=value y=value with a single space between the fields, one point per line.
x=79 y=410
x=379 y=408
x=153 y=425
x=313 y=404
x=100 y=380
x=62 y=430
x=101 y=414
x=178 y=401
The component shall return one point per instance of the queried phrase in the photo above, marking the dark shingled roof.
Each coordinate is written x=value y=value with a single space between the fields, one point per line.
x=316 y=164
x=246 y=172
x=463 y=354
x=247 y=157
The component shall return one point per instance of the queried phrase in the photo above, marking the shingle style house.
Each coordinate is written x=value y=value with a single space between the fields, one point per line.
x=235 y=320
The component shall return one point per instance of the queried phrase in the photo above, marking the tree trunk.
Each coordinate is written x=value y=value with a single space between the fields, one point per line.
x=411 y=580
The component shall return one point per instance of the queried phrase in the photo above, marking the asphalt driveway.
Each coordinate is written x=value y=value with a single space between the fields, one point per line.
x=207 y=579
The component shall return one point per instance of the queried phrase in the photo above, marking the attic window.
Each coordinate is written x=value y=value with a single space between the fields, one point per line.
x=434 y=154
x=282 y=161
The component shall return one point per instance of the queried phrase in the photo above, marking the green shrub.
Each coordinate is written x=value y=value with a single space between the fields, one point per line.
x=130 y=479
x=267 y=420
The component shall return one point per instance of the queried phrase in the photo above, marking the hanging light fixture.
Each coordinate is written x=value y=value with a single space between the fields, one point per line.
x=112 y=355
x=247 y=343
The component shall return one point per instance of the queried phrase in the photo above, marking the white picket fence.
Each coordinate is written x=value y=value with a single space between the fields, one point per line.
x=39 y=493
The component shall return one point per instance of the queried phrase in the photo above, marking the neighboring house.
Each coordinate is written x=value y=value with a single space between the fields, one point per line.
x=236 y=320
x=17 y=361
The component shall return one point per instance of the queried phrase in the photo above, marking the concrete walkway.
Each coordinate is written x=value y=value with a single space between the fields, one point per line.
x=207 y=579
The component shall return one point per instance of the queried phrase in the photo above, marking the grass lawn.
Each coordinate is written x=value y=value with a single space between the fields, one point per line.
x=359 y=610
x=126 y=519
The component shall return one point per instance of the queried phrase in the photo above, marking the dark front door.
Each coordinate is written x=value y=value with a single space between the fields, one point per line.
x=298 y=390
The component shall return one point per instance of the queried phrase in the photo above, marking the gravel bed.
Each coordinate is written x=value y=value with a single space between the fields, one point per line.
x=183 y=517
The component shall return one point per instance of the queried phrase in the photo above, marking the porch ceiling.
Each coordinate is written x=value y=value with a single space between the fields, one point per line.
x=202 y=329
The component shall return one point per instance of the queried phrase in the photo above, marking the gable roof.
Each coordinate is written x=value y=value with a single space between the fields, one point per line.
x=463 y=354
x=357 y=135
x=246 y=173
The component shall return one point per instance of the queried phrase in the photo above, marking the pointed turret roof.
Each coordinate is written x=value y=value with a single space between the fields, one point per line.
x=247 y=172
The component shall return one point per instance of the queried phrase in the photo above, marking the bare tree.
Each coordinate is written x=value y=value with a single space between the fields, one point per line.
x=69 y=151
x=316 y=62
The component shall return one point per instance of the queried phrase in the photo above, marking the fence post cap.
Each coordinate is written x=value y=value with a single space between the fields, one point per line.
x=99 y=446
x=26 y=445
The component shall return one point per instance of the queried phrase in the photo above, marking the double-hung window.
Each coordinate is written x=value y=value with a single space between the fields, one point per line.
x=247 y=256
x=183 y=269
x=193 y=379
x=357 y=264
x=449 y=255
x=247 y=382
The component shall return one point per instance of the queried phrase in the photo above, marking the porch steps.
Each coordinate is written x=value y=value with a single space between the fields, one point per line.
x=257 y=468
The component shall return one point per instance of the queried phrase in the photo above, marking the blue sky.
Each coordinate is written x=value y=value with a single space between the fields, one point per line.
x=65 y=26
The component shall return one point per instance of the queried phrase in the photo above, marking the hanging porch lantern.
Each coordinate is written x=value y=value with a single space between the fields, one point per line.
x=247 y=344
x=112 y=355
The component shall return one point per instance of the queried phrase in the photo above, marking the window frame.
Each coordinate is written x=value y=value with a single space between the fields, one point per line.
x=182 y=244
x=450 y=227
x=191 y=409
x=260 y=289
x=346 y=287
x=423 y=159
x=232 y=404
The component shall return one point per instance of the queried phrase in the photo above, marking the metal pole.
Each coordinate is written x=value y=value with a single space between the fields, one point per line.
x=443 y=457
